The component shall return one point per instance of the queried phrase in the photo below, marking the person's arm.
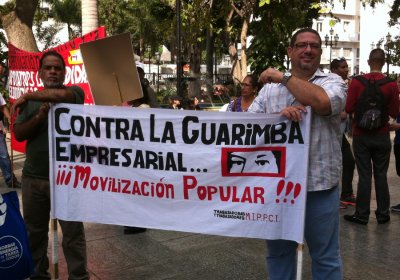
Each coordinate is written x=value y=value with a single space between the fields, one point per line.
x=62 y=95
x=152 y=97
x=26 y=130
x=394 y=102
x=6 y=112
x=394 y=126
x=306 y=93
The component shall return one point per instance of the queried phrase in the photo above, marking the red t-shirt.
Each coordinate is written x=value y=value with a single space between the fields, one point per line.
x=389 y=90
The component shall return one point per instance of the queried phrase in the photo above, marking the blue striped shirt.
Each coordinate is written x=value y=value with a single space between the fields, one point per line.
x=325 y=158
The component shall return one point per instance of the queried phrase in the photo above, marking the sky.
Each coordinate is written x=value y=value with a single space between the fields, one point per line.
x=373 y=27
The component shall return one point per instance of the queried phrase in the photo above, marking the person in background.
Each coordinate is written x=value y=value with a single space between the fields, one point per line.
x=3 y=76
x=288 y=93
x=5 y=162
x=175 y=102
x=144 y=102
x=32 y=125
x=248 y=91
x=340 y=67
x=192 y=104
x=396 y=147
x=151 y=95
x=372 y=147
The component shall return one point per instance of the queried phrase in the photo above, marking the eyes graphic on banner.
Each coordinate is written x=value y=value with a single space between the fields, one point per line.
x=262 y=161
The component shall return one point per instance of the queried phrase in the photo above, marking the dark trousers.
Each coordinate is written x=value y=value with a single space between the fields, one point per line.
x=372 y=154
x=349 y=165
x=396 y=151
x=36 y=209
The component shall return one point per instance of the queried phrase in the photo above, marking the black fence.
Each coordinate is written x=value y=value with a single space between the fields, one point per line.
x=200 y=87
x=155 y=78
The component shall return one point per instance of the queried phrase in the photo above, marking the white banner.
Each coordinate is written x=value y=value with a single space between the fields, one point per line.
x=230 y=174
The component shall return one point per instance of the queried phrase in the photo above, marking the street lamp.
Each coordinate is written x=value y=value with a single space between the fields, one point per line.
x=388 y=51
x=331 y=41
x=158 y=71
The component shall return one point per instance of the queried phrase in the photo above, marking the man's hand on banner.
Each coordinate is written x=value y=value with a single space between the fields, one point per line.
x=293 y=113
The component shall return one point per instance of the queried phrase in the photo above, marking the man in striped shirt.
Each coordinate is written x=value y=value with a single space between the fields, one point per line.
x=288 y=93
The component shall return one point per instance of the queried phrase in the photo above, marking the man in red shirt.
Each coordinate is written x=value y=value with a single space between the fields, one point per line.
x=372 y=147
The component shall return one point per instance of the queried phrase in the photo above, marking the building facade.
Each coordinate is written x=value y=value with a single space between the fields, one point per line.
x=357 y=29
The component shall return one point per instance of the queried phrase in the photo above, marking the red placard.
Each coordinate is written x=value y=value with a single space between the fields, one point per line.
x=24 y=66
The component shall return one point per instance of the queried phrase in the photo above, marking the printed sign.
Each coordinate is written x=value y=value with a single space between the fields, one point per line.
x=237 y=173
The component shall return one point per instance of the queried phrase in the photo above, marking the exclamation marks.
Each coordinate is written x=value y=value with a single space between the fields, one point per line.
x=63 y=176
x=279 y=189
x=296 y=188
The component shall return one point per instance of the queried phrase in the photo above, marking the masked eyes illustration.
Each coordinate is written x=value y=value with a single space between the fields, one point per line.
x=267 y=162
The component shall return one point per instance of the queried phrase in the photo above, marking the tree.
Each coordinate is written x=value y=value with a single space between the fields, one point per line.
x=150 y=22
x=273 y=30
x=90 y=19
x=69 y=12
x=17 y=19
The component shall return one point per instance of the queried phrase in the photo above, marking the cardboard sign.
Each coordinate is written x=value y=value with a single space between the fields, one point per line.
x=111 y=70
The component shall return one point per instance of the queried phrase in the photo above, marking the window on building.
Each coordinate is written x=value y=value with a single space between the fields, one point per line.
x=347 y=53
x=335 y=52
x=346 y=26
x=319 y=26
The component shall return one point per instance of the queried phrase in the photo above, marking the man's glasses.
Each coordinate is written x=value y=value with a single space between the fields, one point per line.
x=304 y=45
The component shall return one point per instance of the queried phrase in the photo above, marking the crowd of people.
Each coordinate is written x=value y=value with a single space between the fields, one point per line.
x=333 y=99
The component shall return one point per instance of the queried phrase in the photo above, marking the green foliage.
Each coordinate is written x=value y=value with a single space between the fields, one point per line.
x=394 y=13
x=47 y=35
x=3 y=48
x=149 y=21
x=273 y=30
x=69 y=12
x=7 y=7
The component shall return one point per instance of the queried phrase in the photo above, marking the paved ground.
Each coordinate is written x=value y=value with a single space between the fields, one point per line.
x=369 y=252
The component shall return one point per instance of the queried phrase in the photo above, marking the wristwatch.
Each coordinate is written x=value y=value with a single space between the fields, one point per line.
x=286 y=76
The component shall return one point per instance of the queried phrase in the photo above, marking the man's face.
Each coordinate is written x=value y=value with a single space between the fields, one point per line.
x=342 y=70
x=52 y=72
x=306 y=52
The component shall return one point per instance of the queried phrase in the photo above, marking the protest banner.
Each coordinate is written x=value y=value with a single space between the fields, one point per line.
x=24 y=66
x=228 y=174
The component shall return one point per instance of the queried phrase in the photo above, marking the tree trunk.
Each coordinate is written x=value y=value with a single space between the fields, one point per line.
x=18 y=25
x=90 y=18
x=210 y=59
x=243 y=42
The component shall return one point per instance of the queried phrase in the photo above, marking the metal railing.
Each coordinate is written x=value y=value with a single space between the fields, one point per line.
x=155 y=79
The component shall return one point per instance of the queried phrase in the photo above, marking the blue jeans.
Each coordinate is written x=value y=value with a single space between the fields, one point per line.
x=5 y=163
x=322 y=237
